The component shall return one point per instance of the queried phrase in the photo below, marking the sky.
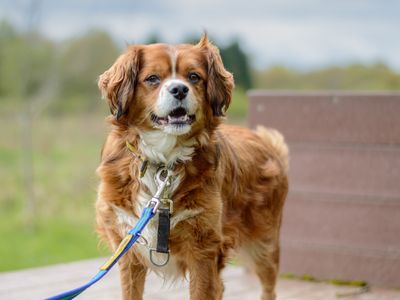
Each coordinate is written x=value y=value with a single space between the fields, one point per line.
x=303 y=34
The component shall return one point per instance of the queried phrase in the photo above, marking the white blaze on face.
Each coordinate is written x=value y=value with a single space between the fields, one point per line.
x=173 y=55
x=166 y=102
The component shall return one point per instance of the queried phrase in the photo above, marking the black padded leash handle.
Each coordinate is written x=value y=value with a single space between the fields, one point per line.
x=164 y=223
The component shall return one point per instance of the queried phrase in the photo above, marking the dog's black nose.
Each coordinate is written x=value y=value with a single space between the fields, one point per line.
x=178 y=90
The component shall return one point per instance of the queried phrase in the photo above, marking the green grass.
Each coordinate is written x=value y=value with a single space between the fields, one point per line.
x=52 y=240
x=66 y=154
x=310 y=278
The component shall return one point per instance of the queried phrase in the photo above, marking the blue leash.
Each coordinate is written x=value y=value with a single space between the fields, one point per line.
x=133 y=234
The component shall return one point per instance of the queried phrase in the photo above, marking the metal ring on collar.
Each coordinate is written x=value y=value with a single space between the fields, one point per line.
x=142 y=240
x=169 y=203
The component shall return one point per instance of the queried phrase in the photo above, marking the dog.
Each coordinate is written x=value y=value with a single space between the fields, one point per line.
x=227 y=186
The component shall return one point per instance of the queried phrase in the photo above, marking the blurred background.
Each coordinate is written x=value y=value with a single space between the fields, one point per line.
x=52 y=117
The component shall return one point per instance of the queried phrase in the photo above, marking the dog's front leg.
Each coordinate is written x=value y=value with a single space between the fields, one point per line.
x=132 y=275
x=205 y=281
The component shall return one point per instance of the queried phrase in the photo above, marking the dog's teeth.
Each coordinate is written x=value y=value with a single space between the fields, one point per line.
x=172 y=119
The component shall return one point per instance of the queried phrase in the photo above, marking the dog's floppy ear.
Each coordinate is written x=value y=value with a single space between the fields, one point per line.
x=220 y=82
x=117 y=84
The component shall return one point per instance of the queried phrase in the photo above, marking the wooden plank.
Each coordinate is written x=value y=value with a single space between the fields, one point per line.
x=334 y=117
x=341 y=237
x=327 y=261
x=345 y=220
x=353 y=170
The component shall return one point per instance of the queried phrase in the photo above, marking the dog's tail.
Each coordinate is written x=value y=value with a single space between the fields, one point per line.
x=275 y=142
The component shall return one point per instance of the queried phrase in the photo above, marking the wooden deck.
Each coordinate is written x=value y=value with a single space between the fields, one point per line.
x=239 y=285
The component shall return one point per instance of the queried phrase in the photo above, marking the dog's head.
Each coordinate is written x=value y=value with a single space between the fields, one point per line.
x=175 y=89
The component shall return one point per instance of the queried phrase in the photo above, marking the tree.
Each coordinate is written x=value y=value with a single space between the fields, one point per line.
x=153 y=38
x=237 y=62
x=8 y=37
x=82 y=60
x=375 y=76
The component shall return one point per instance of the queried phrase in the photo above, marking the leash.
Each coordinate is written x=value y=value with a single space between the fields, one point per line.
x=151 y=209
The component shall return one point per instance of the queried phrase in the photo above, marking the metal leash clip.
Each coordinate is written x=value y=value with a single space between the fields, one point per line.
x=162 y=180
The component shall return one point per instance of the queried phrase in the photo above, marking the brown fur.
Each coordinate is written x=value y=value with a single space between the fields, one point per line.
x=236 y=176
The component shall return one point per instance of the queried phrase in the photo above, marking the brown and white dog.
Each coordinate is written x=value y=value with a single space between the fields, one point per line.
x=229 y=183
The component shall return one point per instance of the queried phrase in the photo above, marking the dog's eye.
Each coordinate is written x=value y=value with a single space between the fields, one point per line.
x=193 y=77
x=153 y=80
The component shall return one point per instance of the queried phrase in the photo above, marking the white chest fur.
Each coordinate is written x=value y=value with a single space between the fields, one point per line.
x=158 y=147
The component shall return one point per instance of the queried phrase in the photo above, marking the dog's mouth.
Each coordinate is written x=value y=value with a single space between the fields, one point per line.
x=177 y=117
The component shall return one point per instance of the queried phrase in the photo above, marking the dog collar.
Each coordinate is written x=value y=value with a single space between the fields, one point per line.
x=144 y=161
